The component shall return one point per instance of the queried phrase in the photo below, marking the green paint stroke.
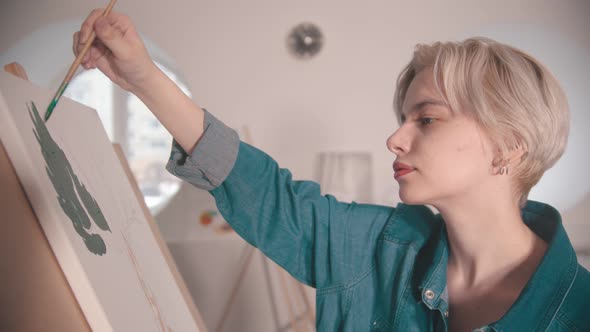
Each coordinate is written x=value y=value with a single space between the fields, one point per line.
x=67 y=184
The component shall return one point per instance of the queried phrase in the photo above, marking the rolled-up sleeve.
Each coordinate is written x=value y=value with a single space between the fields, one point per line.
x=212 y=158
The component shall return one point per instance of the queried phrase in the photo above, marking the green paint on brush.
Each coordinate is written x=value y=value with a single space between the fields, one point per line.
x=53 y=103
x=50 y=109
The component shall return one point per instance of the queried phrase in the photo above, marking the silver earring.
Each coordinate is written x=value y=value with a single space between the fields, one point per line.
x=504 y=168
x=503 y=164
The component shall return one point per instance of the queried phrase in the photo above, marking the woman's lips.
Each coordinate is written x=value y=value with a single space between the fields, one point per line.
x=401 y=169
x=402 y=172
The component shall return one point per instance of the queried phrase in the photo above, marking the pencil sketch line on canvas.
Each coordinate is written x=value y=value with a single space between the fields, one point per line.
x=146 y=291
x=70 y=190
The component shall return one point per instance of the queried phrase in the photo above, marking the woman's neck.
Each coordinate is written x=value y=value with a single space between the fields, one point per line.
x=488 y=242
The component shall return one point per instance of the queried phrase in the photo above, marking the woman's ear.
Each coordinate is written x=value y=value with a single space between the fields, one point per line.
x=502 y=162
x=516 y=154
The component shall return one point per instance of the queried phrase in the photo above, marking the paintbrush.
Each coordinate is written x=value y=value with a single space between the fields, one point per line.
x=74 y=66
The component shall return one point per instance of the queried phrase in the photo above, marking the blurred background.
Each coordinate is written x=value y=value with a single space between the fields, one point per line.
x=309 y=82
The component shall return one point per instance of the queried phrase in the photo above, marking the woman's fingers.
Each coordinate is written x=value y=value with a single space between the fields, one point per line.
x=117 y=50
x=88 y=25
x=75 y=39
x=77 y=48
x=110 y=34
x=81 y=36
x=105 y=28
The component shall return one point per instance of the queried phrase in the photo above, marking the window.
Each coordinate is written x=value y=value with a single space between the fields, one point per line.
x=129 y=122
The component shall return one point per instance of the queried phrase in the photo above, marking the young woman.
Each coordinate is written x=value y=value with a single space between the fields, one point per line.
x=480 y=122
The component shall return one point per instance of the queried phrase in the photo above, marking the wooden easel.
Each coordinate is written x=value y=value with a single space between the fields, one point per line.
x=302 y=322
x=34 y=293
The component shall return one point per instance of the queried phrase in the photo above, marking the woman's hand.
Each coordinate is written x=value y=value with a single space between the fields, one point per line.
x=120 y=54
x=117 y=50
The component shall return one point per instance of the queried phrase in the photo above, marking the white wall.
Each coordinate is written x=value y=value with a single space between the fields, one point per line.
x=233 y=58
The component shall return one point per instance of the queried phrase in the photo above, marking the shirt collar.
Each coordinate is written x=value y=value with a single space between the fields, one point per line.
x=540 y=299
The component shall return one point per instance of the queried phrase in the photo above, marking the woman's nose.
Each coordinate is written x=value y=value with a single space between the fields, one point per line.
x=397 y=144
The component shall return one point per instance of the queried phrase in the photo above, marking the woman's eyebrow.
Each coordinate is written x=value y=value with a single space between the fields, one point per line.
x=420 y=105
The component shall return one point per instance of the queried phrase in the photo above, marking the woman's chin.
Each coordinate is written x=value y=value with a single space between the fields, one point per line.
x=409 y=199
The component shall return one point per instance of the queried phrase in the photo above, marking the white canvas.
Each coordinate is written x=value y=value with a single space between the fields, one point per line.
x=89 y=213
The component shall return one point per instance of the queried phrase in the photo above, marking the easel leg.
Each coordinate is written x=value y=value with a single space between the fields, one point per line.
x=308 y=310
x=248 y=251
x=271 y=294
x=292 y=317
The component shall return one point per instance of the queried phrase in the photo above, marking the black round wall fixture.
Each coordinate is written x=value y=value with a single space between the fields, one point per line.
x=305 y=40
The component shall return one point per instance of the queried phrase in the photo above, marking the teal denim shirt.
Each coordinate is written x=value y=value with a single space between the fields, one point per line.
x=375 y=268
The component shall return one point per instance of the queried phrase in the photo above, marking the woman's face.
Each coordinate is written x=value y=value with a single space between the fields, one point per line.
x=441 y=156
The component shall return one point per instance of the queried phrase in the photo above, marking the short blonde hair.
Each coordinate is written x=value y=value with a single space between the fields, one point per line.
x=511 y=95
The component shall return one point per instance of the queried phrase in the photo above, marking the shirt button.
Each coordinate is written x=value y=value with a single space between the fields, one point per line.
x=446 y=313
x=429 y=294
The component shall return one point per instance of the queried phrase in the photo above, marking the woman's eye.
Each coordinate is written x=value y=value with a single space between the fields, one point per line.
x=425 y=121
